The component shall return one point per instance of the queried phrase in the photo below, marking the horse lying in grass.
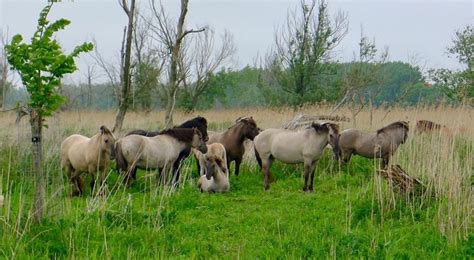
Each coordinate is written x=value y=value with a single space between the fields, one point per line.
x=198 y=122
x=82 y=154
x=302 y=146
x=214 y=172
x=381 y=144
x=233 y=140
x=158 y=152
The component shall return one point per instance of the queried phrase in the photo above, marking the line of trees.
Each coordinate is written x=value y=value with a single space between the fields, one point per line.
x=174 y=66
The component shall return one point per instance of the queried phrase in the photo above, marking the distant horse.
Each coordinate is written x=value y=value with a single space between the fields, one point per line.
x=381 y=144
x=233 y=140
x=216 y=174
x=158 y=152
x=82 y=154
x=302 y=146
x=198 y=122
x=426 y=126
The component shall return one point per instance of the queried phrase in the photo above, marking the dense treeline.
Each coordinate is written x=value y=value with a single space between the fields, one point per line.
x=252 y=87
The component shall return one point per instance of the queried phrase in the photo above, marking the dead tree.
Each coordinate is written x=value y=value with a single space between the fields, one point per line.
x=126 y=68
x=171 y=37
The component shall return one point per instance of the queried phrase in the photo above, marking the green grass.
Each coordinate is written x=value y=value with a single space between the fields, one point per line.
x=343 y=217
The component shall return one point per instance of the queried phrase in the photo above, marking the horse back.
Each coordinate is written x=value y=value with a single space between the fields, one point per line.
x=73 y=150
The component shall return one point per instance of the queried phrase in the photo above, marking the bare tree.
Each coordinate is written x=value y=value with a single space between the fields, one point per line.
x=171 y=37
x=303 y=46
x=3 y=69
x=364 y=71
x=203 y=59
x=126 y=78
x=90 y=76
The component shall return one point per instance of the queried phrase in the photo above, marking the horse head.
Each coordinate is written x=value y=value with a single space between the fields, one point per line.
x=332 y=131
x=214 y=164
x=249 y=127
x=107 y=141
x=397 y=130
x=198 y=142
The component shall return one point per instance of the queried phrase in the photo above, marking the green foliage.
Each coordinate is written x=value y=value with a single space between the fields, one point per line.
x=41 y=63
x=458 y=85
x=302 y=51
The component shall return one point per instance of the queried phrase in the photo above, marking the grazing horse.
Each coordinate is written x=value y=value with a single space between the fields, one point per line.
x=426 y=126
x=216 y=177
x=301 y=146
x=233 y=140
x=82 y=154
x=158 y=152
x=381 y=144
x=198 y=122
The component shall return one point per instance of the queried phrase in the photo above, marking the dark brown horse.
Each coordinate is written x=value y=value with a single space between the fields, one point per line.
x=426 y=126
x=233 y=140
x=199 y=122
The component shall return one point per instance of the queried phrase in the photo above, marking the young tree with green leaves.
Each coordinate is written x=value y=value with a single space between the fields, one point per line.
x=459 y=85
x=303 y=50
x=41 y=65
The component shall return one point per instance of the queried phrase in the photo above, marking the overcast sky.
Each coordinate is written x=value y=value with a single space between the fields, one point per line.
x=414 y=30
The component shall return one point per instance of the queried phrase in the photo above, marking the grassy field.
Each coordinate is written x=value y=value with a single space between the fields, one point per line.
x=353 y=211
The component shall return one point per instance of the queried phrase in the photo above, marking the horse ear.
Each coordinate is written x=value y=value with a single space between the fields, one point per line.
x=102 y=129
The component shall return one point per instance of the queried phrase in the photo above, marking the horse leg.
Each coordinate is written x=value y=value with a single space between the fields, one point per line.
x=93 y=171
x=175 y=179
x=347 y=156
x=75 y=185
x=266 y=164
x=238 y=161
x=312 y=171
x=385 y=160
x=307 y=168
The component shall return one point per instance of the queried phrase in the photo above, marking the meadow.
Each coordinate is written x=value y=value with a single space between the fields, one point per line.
x=352 y=212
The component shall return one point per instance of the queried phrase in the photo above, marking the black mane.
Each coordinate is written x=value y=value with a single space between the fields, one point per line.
x=394 y=125
x=198 y=122
x=184 y=135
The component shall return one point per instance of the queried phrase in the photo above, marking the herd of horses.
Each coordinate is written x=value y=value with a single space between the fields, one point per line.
x=164 y=151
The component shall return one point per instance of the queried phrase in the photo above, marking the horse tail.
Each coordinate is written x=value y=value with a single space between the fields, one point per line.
x=120 y=162
x=257 y=156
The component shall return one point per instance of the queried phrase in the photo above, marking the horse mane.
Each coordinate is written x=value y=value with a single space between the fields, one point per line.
x=393 y=125
x=319 y=128
x=195 y=122
x=245 y=120
x=199 y=122
x=184 y=135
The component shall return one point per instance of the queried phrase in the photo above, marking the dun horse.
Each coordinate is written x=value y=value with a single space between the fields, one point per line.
x=82 y=154
x=381 y=144
x=302 y=146
x=214 y=167
x=159 y=152
x=198 y=122
x=233 y=140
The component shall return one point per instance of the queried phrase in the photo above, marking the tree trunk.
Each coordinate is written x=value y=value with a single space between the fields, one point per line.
x=371 y=109
x=126 y=80
x=36 y=136
x=170 y=108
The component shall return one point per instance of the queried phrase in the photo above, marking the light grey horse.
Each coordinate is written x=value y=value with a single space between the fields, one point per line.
x=302 y=146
